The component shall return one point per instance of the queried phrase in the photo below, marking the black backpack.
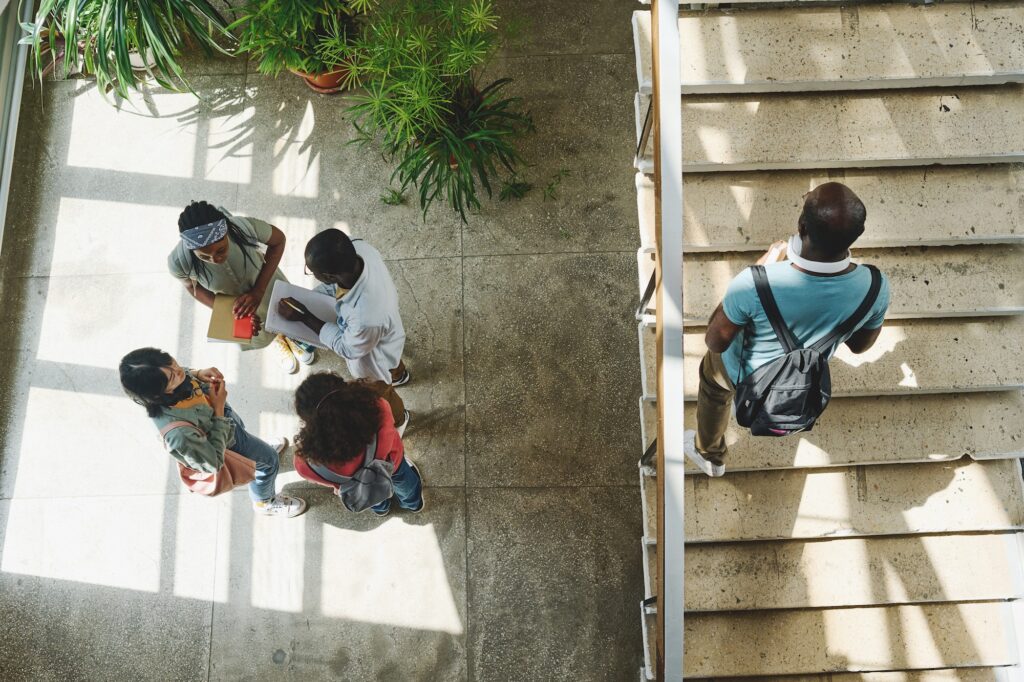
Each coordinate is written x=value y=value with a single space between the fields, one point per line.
x=788 y=394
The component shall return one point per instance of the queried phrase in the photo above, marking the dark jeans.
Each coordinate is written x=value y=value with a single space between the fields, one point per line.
x=408 y=489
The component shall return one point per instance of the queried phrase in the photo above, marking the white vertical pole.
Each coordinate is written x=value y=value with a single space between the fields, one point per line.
x=669 y=174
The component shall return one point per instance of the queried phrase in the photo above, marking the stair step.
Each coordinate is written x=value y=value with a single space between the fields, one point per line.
x=887 y=638
x=937 y=497
x=910 y=356
x=999 y=674
x=935 y=281
x=876 y=430
x=934 y=206
x=842 y=48
x=865 y=129
x=853 y=572
x=880 y=430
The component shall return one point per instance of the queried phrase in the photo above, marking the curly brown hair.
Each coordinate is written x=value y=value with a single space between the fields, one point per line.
x=339 y=418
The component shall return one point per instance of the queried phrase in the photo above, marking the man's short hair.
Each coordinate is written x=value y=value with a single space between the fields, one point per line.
x=833 y=218
x=331 y=251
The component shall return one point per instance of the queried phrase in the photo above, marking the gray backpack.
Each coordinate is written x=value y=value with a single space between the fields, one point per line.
x=788 y=394
x=368 y=486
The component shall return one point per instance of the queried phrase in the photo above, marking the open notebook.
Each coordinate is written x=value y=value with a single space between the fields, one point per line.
x=321 y=305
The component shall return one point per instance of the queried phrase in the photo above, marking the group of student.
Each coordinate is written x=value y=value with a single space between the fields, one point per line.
x=350 y=436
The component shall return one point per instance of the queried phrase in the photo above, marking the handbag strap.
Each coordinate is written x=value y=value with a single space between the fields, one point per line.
x=771 y=309
x=369 y=455
x=174 y=425
x=848 y=325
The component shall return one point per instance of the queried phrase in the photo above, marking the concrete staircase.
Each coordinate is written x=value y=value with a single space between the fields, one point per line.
x=884 y=545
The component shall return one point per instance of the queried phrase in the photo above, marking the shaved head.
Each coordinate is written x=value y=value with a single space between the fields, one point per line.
x=832 y=218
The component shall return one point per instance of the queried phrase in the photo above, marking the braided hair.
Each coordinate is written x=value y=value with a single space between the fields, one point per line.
x=202 y=213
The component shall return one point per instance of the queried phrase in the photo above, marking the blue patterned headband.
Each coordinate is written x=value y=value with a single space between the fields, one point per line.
x=204 y=235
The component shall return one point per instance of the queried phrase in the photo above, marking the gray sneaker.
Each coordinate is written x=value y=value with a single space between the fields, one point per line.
x=690 y=450
x=280 y=505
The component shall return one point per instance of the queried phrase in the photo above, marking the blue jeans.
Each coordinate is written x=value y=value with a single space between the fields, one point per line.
x=408 y=489
x=266 y=458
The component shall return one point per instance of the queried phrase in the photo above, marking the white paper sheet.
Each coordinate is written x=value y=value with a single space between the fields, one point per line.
x=321 y=305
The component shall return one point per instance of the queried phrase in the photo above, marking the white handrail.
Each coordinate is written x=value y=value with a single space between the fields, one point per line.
x=669 y=219
x=12 y=81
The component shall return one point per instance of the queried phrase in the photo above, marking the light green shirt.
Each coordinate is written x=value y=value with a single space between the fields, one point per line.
x=235 y=276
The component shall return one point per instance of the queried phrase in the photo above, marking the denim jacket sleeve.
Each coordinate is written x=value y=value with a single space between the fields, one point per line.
x=201 y=451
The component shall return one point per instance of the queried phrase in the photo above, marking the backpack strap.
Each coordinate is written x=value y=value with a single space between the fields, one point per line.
x=771 y=309
x=850 y=323
x=333 y=477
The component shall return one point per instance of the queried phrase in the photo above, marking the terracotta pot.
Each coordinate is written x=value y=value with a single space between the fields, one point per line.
x=325 y=83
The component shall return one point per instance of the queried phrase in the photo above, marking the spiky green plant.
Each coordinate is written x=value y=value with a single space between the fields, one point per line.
x=286 y=34
x=419 y=61
x=98 y=37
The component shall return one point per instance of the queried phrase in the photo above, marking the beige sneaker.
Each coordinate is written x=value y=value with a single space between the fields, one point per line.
x=280 y=505
x=306 y=357
x=285 y=355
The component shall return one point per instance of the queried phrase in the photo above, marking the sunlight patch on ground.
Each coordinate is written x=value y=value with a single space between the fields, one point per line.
x=394 y=575
x=65 y=436
x=297 y=165
x=98 y=237
x=278 y=563
x=111 y=541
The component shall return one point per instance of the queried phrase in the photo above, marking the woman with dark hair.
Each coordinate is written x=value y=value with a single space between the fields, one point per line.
x=220 y=254
x=339 y=421
x=172 y=393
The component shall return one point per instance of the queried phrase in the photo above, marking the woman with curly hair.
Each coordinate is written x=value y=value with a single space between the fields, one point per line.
x=339 y=421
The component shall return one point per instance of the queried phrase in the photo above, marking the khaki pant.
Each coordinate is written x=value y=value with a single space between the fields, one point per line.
x=714 y=406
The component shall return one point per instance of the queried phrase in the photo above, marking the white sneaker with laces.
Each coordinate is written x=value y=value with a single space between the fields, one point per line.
x=690 y=450
x=401 y=427
x=285 y=355
x=280 y=505
x=279 y=444
x=306 y=357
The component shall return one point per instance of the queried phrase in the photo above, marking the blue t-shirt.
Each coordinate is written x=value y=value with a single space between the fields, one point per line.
x=811 y=305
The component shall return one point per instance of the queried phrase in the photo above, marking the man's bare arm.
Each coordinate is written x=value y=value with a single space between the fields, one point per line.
x=863 y=339
x=721 y=331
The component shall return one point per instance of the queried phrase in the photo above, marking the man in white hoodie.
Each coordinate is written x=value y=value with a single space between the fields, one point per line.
x=368 y=329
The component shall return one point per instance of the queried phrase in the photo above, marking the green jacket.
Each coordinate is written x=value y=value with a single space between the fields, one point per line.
x=201 y=451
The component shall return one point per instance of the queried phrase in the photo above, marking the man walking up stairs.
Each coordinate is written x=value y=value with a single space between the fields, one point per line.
x=884 y=544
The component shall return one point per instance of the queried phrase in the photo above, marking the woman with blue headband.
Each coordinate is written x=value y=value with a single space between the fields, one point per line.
x=220 y=254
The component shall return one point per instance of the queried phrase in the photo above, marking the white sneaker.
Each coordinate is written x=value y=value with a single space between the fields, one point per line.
x=306 y=357
x=690 y=449
x=401 y=428
x=285 y=355
x=280 y=505
x=279 y=444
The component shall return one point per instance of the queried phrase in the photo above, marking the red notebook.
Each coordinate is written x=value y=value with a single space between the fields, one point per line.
x=243 y=328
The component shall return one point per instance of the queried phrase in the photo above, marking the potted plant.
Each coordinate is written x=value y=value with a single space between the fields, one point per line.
x=286 y=34
x=120 y=42
x=420 y=61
